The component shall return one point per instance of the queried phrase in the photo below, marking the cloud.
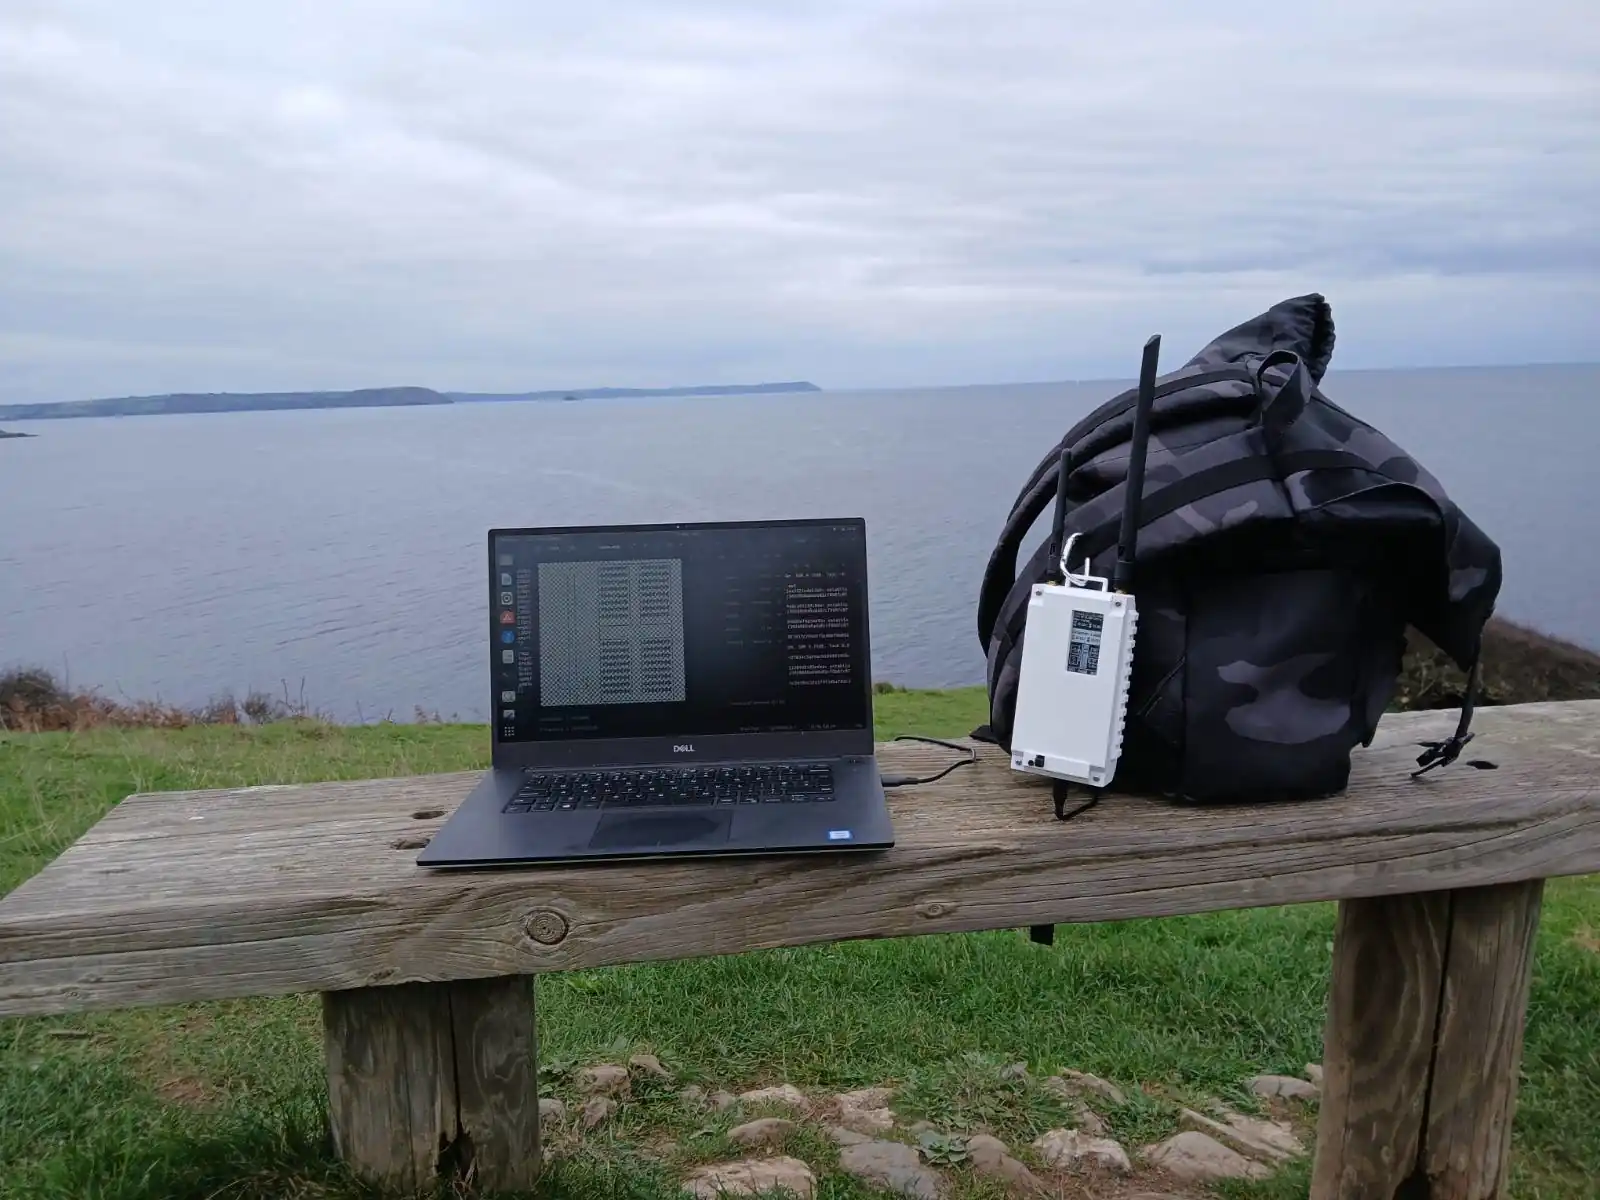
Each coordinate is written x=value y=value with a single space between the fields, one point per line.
x=514 y=195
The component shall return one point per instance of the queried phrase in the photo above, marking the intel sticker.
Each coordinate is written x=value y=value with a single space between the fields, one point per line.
x=838 y=835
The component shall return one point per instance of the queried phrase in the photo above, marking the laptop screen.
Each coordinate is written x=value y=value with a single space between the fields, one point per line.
x=679 y=631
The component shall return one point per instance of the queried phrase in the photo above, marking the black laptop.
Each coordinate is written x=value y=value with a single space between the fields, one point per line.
x=668 y=690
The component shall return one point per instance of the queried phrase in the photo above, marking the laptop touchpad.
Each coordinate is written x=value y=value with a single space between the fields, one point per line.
x=638 y=831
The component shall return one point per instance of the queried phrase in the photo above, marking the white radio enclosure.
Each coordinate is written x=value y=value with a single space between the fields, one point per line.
x=1072 y=690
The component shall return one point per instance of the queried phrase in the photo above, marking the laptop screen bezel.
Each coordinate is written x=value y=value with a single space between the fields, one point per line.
x=604 y=752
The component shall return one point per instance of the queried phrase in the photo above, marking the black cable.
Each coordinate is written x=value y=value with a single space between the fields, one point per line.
x=893 y=781
x=1061 y=789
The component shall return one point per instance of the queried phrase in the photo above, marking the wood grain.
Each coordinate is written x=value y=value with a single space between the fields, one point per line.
x=497 y=1085
x=1473 y=1091
x=1383 y=1008
x=207 y=895
x=434 y=1079
x=391 y=1089
x=1423 y=1045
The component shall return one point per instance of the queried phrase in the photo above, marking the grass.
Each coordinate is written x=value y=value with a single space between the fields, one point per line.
x=225 y=1101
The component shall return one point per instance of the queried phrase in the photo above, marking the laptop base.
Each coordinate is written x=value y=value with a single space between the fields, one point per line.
x=481 y=833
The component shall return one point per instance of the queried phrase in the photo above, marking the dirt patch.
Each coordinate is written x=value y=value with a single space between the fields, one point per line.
x=189 y=1092
x=164 y=1065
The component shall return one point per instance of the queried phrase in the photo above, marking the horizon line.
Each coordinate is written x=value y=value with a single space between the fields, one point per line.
x=689 y=391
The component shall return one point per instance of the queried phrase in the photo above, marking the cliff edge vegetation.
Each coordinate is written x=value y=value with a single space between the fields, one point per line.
x=1520 y=666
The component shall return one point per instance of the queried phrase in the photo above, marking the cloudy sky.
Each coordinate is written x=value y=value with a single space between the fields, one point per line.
x=513 y=194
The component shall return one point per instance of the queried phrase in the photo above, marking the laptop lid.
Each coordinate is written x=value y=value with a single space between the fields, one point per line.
x=680 y=643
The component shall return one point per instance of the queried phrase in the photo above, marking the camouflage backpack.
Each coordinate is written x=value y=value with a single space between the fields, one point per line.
x=1284 y=547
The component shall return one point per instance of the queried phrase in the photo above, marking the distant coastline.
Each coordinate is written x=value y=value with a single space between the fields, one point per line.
x=395 y=397
x=612 y=393
x=6 y=434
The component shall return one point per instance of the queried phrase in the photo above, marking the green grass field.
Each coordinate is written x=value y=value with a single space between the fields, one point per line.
x=224 y=1101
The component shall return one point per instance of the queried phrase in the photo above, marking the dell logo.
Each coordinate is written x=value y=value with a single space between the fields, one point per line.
x=683 y=749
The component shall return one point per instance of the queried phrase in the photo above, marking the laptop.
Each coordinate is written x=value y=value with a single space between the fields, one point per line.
x=675 y=690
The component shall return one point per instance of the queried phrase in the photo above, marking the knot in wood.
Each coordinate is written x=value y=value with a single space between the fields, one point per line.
x=934 y=909
x=545 y=926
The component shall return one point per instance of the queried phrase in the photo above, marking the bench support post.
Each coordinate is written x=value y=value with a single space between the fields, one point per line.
x=1423 y=1044
x=430 y=1079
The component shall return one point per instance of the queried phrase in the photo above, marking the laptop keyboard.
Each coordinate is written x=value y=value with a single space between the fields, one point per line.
x=674 y=786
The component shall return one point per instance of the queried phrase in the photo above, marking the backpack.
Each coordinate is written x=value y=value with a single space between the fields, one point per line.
x=1284 y=547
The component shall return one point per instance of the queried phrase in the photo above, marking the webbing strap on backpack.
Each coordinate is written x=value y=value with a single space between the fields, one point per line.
x=1442 y=754
x=1040 y=489
x=1189 y=489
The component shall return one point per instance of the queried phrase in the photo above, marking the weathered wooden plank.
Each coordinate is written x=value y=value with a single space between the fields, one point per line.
x=208 y=895
x=1473 y=1092
x=1383 y=1010
x=497 y=1085
x=391 y=1087
x=1423 y=1044
x=434 y=1079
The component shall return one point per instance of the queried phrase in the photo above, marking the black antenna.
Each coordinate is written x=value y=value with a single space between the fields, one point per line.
x=1058 y=526
x=1128 y=538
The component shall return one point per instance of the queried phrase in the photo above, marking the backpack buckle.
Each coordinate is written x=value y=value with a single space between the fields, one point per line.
x=1440 y=754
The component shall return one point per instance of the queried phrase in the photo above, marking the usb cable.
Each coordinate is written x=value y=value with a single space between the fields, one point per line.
x=894 y=781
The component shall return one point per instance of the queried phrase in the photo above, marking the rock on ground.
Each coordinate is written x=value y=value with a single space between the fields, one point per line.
x=649 y=1064
x=1314 y=1074
x=1071 y=1148
x=894 y=1167
x=722 y=1101
x=1089 y=1121
x=1196 y=1158
x=1075 y=1083
x=784 y=1094
x=1286 y=1087
x=873 y=1097
x=763 y=1131
x=551 y=1109
x=866 y=1110
x=606 y=1079
x=847 y=1137
x=1266 y=1140
x=596 y=1109
x=1016 y=1071
x=990 y=1157
x=752 y=1177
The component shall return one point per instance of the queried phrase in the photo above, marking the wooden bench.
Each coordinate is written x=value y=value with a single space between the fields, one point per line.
x=427 y=979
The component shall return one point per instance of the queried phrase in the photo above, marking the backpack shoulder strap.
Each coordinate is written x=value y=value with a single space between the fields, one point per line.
x=1001 y=573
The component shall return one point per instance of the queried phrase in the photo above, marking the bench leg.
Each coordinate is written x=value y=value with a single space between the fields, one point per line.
x=1424 y=1044
x=427 y=1079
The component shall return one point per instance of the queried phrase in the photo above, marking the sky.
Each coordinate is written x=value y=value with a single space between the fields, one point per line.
x=501 y=195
